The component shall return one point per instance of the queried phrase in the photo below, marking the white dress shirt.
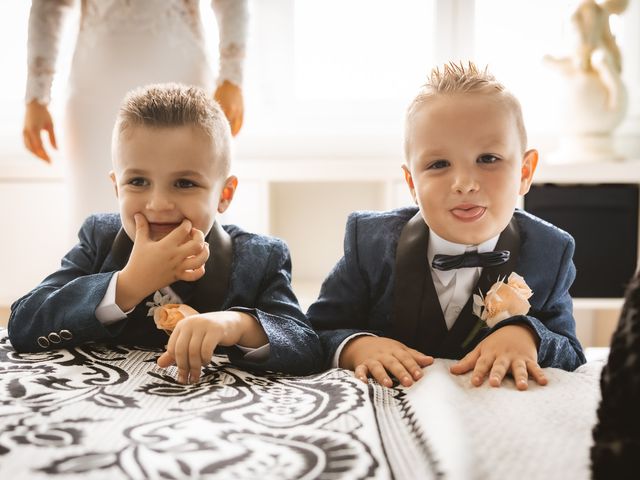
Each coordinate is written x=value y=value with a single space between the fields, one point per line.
x=454 y=287
x=108 y=312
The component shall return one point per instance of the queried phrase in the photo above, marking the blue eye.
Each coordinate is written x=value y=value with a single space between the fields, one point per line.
x=138 y=182
x=438 y=165
x=183 y=183
x=487 y=158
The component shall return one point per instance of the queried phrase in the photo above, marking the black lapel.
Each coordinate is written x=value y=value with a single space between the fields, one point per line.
x=417 y=317
x=509 y=240
x=209 y=292
x=120 y=252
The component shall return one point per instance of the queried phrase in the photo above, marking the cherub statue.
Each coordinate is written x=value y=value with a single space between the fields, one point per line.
x=596 y=49
x=591 y=96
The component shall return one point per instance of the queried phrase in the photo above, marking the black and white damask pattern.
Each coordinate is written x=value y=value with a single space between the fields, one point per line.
x=110 y=412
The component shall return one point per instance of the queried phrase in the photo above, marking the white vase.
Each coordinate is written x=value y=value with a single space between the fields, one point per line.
x=587 y=115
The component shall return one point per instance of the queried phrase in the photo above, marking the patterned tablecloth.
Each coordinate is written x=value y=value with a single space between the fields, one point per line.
x=110 y=412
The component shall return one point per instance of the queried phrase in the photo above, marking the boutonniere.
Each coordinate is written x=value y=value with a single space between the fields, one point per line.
x=158 y=300
x=502 y=301
x=167 y=316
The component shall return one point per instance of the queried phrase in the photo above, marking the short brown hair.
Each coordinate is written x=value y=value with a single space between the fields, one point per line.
x=457 y=78
x=177 y=105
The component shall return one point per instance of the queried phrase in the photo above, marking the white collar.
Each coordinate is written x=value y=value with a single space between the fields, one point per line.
x=438 y=245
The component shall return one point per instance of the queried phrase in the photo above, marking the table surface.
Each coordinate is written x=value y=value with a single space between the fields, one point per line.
x=109 y=412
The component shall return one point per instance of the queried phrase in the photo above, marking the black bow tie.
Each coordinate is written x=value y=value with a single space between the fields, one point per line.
x=470 y=259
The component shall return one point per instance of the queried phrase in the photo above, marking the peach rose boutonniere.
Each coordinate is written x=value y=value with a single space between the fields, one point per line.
x=502 y=301
x=167 y=316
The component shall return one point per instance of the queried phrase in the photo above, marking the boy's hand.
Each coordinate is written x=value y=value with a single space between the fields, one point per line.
x=511 y=349
x=194 y=339
x=180 y=255
x=378 y=355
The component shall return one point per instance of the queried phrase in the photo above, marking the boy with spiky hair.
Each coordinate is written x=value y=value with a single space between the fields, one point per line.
x=403 y=292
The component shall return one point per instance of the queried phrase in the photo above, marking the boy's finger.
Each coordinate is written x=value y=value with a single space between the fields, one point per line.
x=191 y=275
x=183 y=376
x=209 y=344
x=181 y=231
x=194 y=373
x=165 y=360
x=409 y=364
x=181 y=351
x=483 y=365
x=467 y=363
x=195 y=359
x=379 y=373
x=142 y=227
x=399 y=371
x=193 y=248
x=197 y=235
x=536 y=372
x=195 y=261
x=171 y=344
x=422 y=359
x=498 y=371
x=361 y=372
x=520 y=374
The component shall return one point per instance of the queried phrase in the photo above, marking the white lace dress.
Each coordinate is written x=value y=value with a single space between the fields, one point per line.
x=122 y=44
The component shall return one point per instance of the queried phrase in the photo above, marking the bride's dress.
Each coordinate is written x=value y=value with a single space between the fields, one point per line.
x=122 y=44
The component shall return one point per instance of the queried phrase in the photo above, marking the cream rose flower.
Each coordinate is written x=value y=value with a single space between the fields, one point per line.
x=167 y=316
x=503 y=300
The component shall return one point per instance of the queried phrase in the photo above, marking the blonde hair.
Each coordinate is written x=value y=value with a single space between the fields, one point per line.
x=455 y=79
x=176 y=105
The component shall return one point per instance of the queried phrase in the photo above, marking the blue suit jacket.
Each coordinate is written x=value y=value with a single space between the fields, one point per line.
x=383 y=285
x=253 y=276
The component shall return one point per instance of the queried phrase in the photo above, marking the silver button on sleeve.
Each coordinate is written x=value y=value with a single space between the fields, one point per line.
x=54 y=337
x=66 y=335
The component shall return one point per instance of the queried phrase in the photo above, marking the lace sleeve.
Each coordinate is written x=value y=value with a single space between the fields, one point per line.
x=45 y=28
x=233 y=22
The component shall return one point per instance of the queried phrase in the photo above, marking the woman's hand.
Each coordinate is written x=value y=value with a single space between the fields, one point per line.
x=36 y=119
x=229 y=96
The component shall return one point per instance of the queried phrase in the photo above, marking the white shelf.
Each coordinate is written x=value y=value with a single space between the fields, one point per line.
x=597 y=303
x=31 y=171
x=626 y=171
x=318 y=170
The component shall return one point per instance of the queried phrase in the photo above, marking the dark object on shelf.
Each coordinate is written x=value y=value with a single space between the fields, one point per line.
x=603 y=219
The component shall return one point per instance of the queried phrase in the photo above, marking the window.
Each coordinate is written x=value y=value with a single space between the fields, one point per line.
x=14 y=23
x=333 y=77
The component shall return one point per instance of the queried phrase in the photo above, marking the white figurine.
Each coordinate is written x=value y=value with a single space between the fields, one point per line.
x=594 y=99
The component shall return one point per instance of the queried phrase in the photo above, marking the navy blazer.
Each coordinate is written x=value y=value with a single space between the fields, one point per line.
x=254 y=277
x=383 y=285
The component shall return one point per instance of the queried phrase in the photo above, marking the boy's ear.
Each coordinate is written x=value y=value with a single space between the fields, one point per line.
x=112 y=176
x=409 y=179
x=228 y=191
x=529 y=164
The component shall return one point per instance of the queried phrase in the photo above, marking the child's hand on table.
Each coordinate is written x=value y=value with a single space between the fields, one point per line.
x=194 y=339
x=510 y=349
x=376 y=356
